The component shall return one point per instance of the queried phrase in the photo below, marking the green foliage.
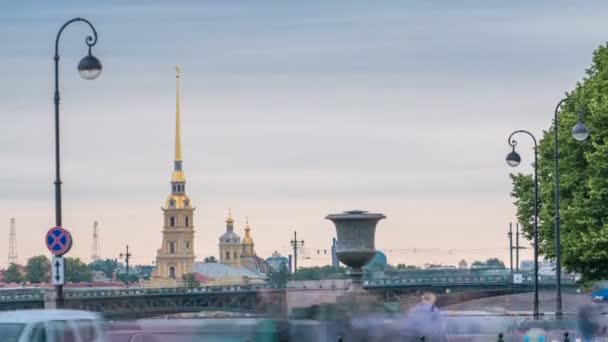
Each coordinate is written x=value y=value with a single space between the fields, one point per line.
x=492 y=262
x=583 y=177
x=407 y=267
x=13 y=274
x=316 y=273
x=279 y=277
x=77 y=271
x=122 y=276
x=38 y=269
x=107 y=266
x=190 y=280
x=210 y=259
x=495 y=262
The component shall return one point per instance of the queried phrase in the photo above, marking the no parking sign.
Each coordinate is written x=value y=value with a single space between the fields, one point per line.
x=58 y=241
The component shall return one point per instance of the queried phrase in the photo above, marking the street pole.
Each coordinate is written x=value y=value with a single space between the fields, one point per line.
x=296 y=244
x=517 y=247
x=580 y=132
x=513 y=159
x=127 y=256
x=90 y=41
x=558 y=265
x=510 y=234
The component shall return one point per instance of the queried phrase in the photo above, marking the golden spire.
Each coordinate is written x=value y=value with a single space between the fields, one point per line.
x=178 y=174
x=178 y=145
x=247 y=240
x=229 y=220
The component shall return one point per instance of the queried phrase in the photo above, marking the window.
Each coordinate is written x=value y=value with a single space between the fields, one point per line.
x=172 y=247
x=235 y=255
x=87 y=330
x=187 y=221
x=62 y=331
x=172 y=272
x=11 y=331
x=186 y=203
x=172 y=221
x=38 y=333
x=227 y=255
x=187 y=246
x=172 y=204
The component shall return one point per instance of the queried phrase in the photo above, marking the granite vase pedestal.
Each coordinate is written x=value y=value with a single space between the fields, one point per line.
x=356 y=231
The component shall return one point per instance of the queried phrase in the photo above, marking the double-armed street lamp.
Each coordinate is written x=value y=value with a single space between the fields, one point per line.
x=514 y=159
x=89 y=68
x=580 y=132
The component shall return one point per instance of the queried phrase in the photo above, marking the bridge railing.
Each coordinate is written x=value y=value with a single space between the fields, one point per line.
x=133 y=292
x=461 y=280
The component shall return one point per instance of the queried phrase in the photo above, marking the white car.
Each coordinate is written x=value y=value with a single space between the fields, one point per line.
x=50 y=326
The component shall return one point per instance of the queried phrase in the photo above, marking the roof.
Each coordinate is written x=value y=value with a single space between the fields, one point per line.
x=216 y=270
x=39 y=315
x=231 y=236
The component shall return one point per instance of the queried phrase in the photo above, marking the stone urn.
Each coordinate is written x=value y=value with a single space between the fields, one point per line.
x=356 y=230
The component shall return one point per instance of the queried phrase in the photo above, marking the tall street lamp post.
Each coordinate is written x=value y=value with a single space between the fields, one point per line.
x=513 y=159
x=88 y=68
x=580 y=132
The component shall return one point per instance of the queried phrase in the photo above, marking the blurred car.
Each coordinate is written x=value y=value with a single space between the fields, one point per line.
x=600 y=295
x=554 y=329
x=50 y=326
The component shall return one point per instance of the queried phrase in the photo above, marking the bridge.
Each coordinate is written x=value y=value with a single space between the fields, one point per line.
x=264 y=299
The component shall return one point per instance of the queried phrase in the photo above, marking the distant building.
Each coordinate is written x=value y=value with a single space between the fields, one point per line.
x=222 y=274
x=176 y=254
x=526 y=265
x=235 y=253
x=378 y=262
x=334 y=257
x=276 y=261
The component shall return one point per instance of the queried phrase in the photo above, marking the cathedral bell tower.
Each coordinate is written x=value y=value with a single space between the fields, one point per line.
x=176 y=255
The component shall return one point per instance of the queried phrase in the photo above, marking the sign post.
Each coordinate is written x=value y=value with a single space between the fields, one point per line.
x=58 y=273
x=59 y=241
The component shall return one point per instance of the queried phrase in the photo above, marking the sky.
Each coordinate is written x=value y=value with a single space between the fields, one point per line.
x=290 y=111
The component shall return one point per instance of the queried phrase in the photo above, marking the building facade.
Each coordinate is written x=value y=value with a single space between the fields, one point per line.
x=176 y=255
x=230 y=245
x=237 y=253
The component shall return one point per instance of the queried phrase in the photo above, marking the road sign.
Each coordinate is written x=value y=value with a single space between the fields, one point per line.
x=58 y=270
x=58 y=241
x=518 y=278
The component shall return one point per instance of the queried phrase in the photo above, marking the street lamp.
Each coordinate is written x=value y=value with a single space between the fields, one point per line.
x=514 y=159
x=580 y=132
x=88 y=68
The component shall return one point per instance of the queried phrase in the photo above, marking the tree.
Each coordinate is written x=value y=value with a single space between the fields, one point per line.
x=77 y=271
x=38 y=269
x=122 y=277
x=316 y=273
x=478 y=263
x=495 y=262
x=407 y=267
x=210 y=260
x=279 y=277
x=190 y=280
x=13 y=274
x=583 y=177
x=107 y=266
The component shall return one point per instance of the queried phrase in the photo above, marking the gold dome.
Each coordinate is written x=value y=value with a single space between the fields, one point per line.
x=229 y=220
x=247 y=240
x=178 y=202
